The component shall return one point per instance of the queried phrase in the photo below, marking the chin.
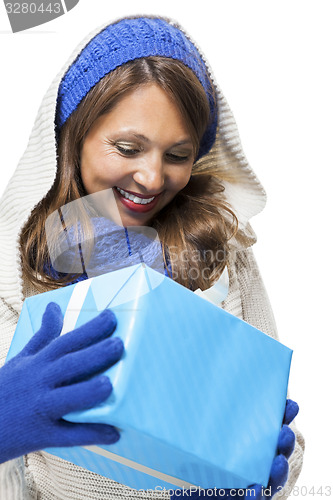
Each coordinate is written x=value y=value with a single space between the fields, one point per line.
x=134 y=221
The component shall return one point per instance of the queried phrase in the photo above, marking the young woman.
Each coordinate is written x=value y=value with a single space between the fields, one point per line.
x=135 y=113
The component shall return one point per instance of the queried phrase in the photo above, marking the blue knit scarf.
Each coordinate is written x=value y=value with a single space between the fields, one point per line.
x=115 y=247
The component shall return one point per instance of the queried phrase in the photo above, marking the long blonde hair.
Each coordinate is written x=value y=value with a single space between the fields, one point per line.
x=194 y=227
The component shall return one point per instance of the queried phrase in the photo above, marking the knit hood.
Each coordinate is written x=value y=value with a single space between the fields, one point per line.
x=36 y=172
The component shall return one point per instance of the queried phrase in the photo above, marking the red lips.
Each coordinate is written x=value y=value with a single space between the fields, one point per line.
x=136 y=207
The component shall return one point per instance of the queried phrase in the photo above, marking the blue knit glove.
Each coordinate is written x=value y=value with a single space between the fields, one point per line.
x=279 y=470
x=49 y=378
x=286 y=444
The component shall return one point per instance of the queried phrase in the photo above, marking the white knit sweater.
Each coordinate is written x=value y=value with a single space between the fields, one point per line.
x=40 y=475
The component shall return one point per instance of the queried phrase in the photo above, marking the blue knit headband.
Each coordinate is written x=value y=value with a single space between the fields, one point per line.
x=125 y=41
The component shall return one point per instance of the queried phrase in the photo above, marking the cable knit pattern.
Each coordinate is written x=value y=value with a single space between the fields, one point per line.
x=40 y=475
x=13 y=485
x=114 y=247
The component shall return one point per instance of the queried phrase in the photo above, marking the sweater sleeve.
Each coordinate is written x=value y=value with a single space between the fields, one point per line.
x=257 y=311
x=8 y=321
x=12 y=477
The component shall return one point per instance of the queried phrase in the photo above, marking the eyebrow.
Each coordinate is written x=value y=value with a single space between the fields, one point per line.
x=145 y=139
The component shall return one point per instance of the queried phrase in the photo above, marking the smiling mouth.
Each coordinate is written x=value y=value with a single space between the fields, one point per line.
x=135 y=198
x=135 y=202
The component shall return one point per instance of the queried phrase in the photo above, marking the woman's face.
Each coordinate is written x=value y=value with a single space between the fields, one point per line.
x=142 y=150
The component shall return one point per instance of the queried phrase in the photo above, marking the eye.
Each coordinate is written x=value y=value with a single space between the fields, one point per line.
x=127 y=149
x=178 y=158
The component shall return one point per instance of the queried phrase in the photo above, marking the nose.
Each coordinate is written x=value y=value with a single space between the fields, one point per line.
x=150 y=174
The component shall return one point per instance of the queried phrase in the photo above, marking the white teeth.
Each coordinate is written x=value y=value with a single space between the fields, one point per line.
x=135 y=199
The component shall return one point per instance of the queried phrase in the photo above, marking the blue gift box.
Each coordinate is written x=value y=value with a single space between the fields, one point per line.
x=198 y=396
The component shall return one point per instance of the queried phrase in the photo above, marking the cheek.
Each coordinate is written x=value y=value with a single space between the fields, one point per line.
x=86 y=165
x=183 y=178
x=101 y=168
x=89 y=176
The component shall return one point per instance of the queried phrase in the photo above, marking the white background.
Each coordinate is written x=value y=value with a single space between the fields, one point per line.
x=273 y=61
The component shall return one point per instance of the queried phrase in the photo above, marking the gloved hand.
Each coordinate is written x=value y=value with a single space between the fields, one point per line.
x=279 y=470
x=286 y=444
x=49 y=378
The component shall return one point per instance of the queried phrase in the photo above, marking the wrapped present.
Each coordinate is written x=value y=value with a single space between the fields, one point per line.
x=198 y=396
